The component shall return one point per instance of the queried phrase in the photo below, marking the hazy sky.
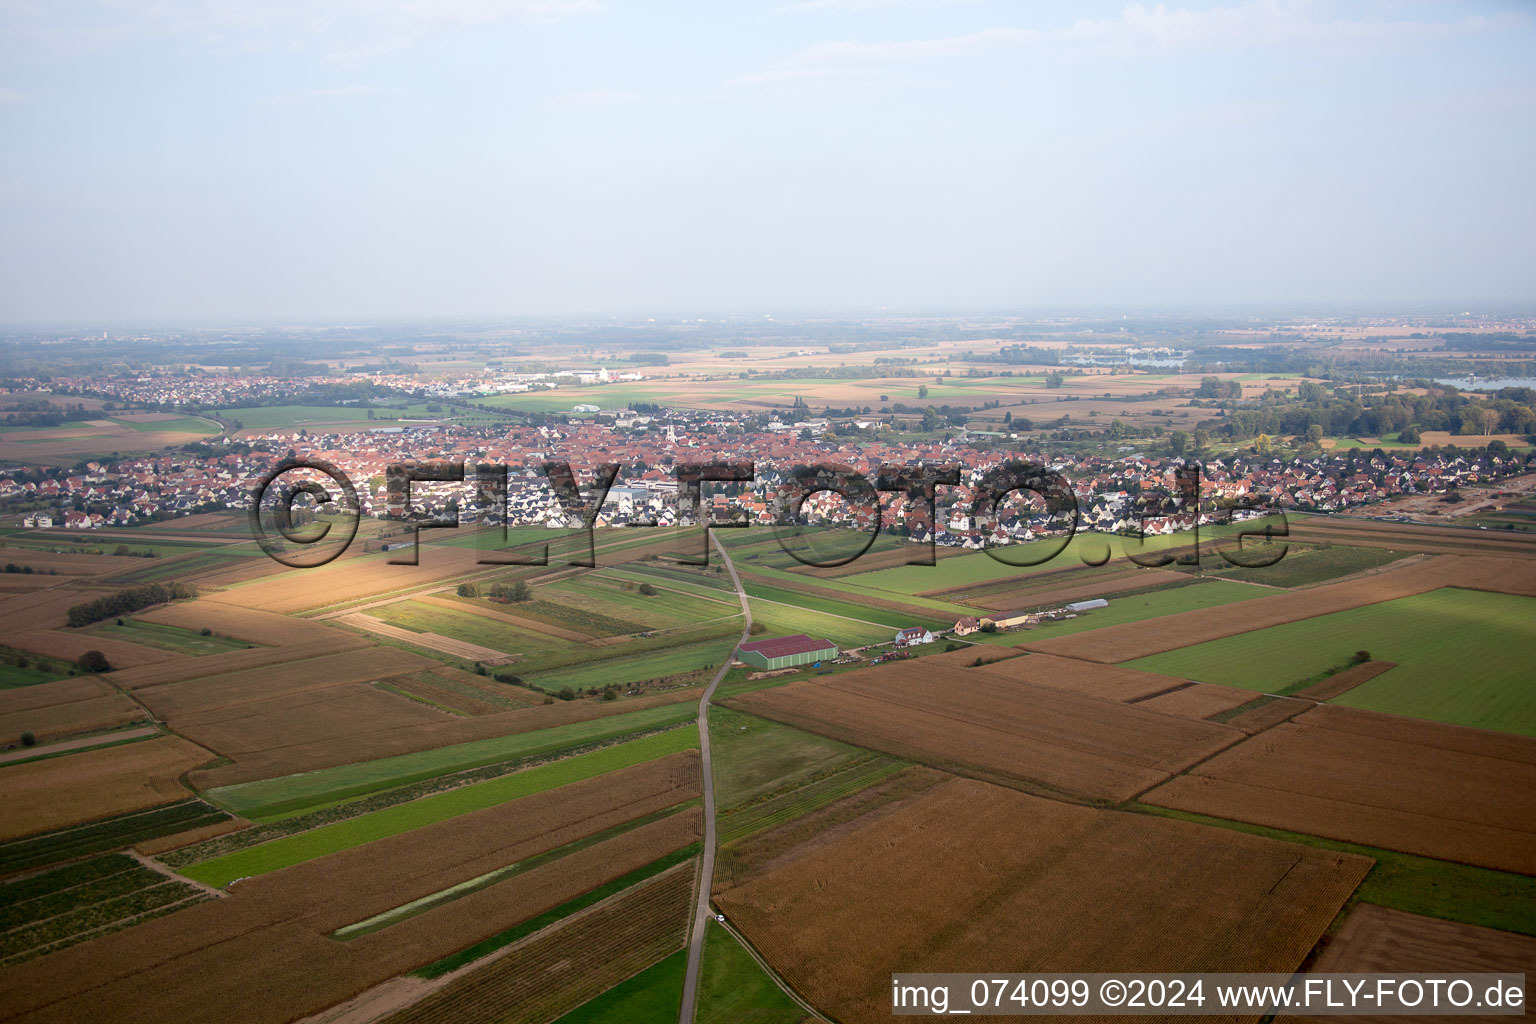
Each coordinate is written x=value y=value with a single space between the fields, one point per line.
x=189 y=160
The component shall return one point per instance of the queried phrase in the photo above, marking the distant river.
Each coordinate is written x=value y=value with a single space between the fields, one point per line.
x=1488 y=383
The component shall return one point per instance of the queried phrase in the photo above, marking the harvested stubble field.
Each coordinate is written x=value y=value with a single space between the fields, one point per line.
x=242 y=623
x=67 y=719
x=1377 y=940
x=236 y=661
x=441 y=731
x=24 y=613
x=67 y=645
x=558 y=970
x=1411 y=537
x=59 y=791
x=1435 y=790
x=1133 y=640
x=996 y=728
x=1099 y=890
x=225 y=953
x=67 y=563
x=232 y=689
x=1197 y=700
x=350 y=710
x=1087 y=678
x=351 y=579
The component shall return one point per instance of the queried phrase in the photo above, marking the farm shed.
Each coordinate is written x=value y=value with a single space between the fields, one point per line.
x=1086 y=606
x=786 y=651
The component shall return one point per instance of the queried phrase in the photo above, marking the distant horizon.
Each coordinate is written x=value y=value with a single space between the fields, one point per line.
x=190 y=161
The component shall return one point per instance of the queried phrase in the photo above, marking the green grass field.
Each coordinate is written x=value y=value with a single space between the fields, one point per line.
x=733 y=989
x=753 y=756
x=367 y=828
x=292 y=417
x=1303 y=565
x=182 y=425
x=295 y=794
x=781 y=620
x=620 y=667
x=1211 y=593
x=845 y=609
x=1462 y=657
x=650 y=997
x=13 y=677
x=165 y=638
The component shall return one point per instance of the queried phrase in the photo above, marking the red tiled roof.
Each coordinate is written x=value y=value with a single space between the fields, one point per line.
x=784 y=646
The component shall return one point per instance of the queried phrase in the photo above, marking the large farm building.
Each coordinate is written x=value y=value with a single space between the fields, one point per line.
x=786 y=651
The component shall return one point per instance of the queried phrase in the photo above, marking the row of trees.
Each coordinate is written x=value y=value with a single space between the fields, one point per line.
x=128 y=601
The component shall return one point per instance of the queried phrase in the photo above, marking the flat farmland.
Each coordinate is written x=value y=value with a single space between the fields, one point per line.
x=226 y=952
x=349 y=710
x=442 y=733
x=1377 y=940
x=59 y=791
x=781 y=619
x=595 y=595
x=659 y=661
x=235 y=688
x=68 y=644
x=1142 y=639
x=558 y=972
x=71 y=443
x=69 y=718
x=367 y=828
x=1432 y=637
x=350 y=579
x=296 y=793
x=1435 y=790
x=1101 y=890
x=1209 y=596
x=994 y=727
x=1087 y=678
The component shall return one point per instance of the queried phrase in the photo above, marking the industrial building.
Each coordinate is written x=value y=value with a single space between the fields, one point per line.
x=786 y=651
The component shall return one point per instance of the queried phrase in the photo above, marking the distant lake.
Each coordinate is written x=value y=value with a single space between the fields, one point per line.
x=1167 y=362
x=1488 y=383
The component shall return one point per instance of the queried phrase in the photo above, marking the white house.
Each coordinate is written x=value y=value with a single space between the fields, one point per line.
x=913 y=636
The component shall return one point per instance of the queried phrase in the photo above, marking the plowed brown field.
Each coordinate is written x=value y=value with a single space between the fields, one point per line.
x=59 y=791
x=241 y=623
x=977 y=723
x=1421 y=787
x=1377 y=940
x=998 y=878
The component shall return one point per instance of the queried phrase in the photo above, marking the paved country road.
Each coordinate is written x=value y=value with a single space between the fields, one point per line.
x=707 y=869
